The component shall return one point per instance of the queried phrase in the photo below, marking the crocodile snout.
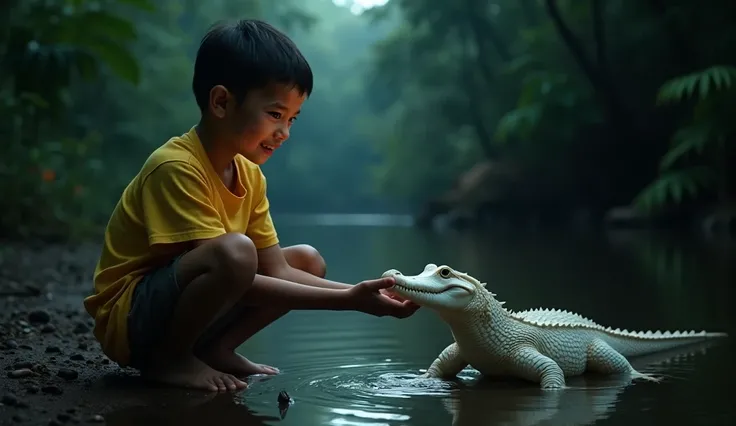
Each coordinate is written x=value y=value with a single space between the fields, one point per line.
x=391 y=273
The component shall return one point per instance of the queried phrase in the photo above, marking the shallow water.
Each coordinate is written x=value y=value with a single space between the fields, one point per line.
x=346 y=368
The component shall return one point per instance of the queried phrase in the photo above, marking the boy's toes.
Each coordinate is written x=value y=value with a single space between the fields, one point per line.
x=233 y=383
x=217 y=381
x=210 y=385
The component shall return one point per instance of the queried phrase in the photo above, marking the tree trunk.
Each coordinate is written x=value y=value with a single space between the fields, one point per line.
x=621 y=121
x=475 y=105
x=484 y=32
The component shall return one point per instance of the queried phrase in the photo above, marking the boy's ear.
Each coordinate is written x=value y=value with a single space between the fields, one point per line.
x=219 y=98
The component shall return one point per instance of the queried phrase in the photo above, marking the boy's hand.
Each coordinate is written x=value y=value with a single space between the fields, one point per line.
x=373 y=297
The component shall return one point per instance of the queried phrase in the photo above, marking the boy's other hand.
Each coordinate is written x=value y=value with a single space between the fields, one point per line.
x=374 y=297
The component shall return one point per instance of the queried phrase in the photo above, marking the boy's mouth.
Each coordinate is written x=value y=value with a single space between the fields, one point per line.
x=267 y=148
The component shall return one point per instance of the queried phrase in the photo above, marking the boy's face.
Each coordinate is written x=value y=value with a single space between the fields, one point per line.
x=261 y=123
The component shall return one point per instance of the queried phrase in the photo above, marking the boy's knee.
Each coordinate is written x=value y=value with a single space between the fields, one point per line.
x=236 y=258
x=310 y=260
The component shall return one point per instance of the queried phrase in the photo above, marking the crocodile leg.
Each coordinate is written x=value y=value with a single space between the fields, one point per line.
x=532 y=365
x=448 y=364
x=602 y=358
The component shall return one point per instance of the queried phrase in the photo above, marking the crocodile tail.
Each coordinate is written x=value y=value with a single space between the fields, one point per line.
x=634 y=343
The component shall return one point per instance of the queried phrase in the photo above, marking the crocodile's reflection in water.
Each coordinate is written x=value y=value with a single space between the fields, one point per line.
x=588 y=399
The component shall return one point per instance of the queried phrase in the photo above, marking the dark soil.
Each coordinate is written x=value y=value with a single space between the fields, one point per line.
x=54 y=372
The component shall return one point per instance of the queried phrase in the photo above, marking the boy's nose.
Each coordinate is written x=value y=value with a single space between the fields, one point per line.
x=282 y=133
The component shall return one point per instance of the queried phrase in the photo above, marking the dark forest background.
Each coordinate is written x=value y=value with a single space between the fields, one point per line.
x=544 y=107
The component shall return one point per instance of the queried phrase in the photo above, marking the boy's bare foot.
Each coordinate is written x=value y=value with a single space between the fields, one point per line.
x=190 y=372
x=229 y=361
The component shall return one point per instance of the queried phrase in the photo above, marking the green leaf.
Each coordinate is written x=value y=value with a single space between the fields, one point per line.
x=686 y=140
x=518 y=121
x=675 y=184
x=100 y=23
x=683 y=87
x=86 y=65
x=120 y=60
x=35 y=99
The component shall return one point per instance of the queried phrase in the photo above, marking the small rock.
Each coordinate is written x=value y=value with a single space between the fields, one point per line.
x=53 y=349
x=32 y=389
x=82 y=346
x=81 y=328
x=26 y=347
x=13 y=401
x=48 y=328
x=97 y=419
x=41 y=369
x=11 y=344
x=39 y=316
x=9 y=400
x=67 y=374
x=22 y=372
x=52 y=390
x=77 y=357
x=22 y=364
x=283 y=397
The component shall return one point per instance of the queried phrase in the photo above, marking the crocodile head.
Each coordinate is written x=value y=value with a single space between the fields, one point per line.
x=437 y=287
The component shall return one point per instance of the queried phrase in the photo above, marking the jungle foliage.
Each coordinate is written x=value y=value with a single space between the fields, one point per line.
x=597 y=103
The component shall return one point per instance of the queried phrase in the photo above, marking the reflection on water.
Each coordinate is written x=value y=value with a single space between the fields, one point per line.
x=345 y=368
x=203 y=411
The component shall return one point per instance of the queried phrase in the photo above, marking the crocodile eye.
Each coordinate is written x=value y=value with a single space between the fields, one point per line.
x=445 y=273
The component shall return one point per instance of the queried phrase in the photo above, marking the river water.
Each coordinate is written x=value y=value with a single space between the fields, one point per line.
x=350 y=369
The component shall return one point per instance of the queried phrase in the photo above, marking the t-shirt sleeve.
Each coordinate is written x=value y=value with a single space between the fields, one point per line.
x=260 y=227
x=177 y=205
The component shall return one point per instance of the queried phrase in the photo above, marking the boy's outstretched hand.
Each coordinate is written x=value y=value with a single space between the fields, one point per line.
x=374 y=297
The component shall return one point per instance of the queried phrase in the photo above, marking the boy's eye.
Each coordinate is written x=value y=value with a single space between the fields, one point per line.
x=275 y=115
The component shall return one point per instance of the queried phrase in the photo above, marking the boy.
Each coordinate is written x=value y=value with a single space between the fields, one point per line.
x=191 y=265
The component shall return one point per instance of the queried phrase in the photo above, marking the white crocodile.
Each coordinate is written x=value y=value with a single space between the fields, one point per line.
x=543 y=346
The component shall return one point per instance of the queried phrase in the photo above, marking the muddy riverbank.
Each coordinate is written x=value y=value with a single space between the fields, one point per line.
x=53 y=370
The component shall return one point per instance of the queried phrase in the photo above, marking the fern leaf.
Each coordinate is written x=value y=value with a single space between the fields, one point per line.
x=688 y=139
x=683 y=87
x=675 y=185
x=704 y=85
x=717 y=78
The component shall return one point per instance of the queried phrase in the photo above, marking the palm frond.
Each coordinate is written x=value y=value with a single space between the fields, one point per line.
x=674 y=186
x=690 y=139
x=683 y=87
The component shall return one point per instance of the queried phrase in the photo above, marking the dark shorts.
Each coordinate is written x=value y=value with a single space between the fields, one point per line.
x=152 y=306
x=154 y=300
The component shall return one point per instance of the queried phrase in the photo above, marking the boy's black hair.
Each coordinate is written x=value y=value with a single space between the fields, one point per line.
x=246 y=55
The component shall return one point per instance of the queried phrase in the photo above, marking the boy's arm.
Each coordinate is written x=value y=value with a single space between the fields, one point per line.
x=179 y=216
x=272 y=263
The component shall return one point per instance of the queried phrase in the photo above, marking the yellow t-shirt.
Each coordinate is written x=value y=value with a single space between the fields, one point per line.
x=176 y=197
